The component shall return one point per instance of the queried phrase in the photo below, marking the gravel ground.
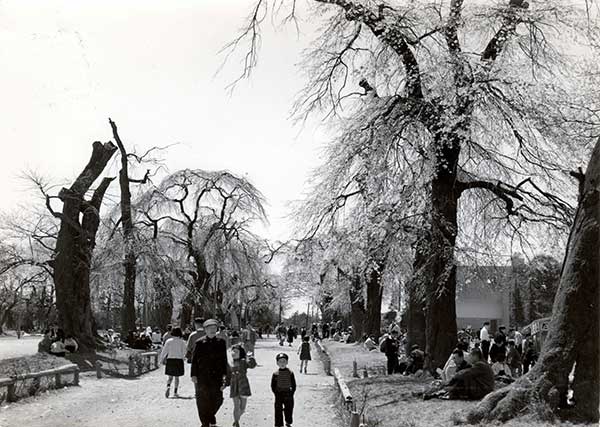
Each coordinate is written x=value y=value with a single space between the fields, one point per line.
x=141 y=402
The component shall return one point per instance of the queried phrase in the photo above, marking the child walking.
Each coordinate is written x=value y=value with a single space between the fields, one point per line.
x=304 y=352
x=172 y=356
x=240 y=386
x=283 y=385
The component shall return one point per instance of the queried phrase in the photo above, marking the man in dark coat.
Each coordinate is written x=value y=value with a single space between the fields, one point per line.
x=474 y=382
x=390 y=346
x=209 y=373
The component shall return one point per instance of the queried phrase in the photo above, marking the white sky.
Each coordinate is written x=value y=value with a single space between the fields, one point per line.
x=149 y=65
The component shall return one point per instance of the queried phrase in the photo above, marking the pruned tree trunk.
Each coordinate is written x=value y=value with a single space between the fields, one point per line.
x=74 y=247
x=574 y=329
x=129 y=259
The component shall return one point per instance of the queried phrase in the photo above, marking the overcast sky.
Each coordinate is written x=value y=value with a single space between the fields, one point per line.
x=149 y=65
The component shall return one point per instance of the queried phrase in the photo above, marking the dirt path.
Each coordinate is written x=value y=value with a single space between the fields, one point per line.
x=141 y=402
x=13 y=347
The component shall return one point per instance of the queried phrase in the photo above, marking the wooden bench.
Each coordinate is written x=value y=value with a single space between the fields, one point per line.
x=10 y=383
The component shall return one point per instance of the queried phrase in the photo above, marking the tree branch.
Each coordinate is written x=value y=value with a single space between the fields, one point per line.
x=391 y=35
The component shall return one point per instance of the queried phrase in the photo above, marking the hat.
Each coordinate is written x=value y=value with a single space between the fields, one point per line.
x=211 y=322
x=282 y=356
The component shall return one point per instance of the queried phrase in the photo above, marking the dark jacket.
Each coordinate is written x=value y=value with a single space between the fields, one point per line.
x=463 y=365
x=478 y=379
x=390 y=346
x=209 y=362
x=279 y=375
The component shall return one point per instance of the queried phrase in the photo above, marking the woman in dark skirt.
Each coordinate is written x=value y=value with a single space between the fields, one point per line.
x=172 y=356
x=240 y=386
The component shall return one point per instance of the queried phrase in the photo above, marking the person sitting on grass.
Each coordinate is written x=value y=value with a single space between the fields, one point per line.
x=70 y=344
x=46 y=342
x=58 y=348
x=370 y=343
x=416 y=361
x=474 y=382
x=502 y=370
x=455 y=364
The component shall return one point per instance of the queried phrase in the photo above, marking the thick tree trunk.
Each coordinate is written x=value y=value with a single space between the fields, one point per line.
x=74 y=248
x=163 y=308
x=441 y=289
x=187 y=310
x=574 y=329
x=358 y=312
x=415 y=309
x=374 y=297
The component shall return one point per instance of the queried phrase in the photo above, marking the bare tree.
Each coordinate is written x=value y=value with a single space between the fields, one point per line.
x=129 y=262
x=206 y=216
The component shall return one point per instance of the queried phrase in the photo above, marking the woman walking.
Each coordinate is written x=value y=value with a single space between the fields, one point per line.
x=304 y=352
x=172 y=356
x=240 y=386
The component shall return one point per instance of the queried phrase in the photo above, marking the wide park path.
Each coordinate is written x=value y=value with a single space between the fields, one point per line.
x=141 y=402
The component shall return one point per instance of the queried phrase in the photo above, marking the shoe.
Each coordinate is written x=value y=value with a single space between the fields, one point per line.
x=176 y=395
x=167 y=392
x=236 y=424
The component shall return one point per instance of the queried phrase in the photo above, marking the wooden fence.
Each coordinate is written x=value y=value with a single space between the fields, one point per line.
x=56 y=373
x=137 y=364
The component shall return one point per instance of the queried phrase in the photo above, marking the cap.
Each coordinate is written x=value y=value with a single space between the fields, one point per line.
x=282 y=356
x=211 y=322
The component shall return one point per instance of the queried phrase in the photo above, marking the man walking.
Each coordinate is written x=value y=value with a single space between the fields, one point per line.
x=194 y=337
x=209 y=373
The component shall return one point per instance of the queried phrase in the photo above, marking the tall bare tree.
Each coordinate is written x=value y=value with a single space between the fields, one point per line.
x=129 y=261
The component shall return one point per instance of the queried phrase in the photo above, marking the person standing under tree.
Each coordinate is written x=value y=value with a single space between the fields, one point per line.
x=239 y=389
x=210 y=373
x=172 y=356
x=194 y=337
x=283 y=385
x=304 y=352
x=484 y=338
x=390 y=346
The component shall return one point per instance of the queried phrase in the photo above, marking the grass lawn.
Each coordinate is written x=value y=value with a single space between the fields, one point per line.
x=394 y=401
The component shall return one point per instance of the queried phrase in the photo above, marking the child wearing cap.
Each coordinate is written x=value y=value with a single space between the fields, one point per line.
x=283 y=385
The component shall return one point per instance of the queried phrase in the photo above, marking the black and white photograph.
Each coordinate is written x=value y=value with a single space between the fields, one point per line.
x=299 y=213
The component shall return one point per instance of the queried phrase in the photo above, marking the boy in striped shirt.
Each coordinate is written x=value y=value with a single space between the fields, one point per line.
x=283 y=385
